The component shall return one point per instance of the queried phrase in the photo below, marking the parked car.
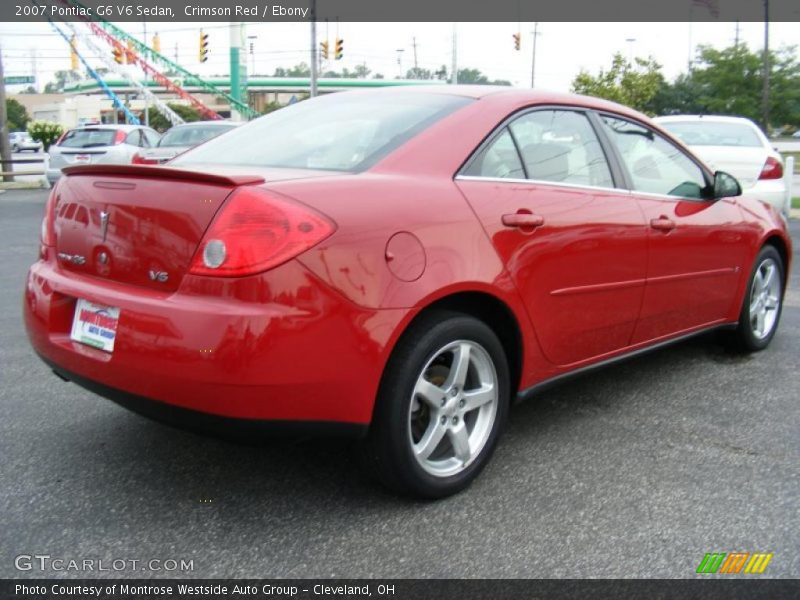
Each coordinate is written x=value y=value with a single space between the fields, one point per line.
x=20 y=141
x=397 y=265
x=180 y=138
x=738 y=146
x=796 y=134
x=99 y=144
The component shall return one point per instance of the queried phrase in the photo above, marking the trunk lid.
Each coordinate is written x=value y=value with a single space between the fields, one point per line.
x=744 y=163
x=137 y=225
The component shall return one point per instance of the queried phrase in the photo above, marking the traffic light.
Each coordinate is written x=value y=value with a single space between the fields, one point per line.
x=130 y=53
x=73 y=55
x=156 y=43
x=119 y=55
x=323 y=49
x=202 y=53
x=338 y=50
x=517 y=41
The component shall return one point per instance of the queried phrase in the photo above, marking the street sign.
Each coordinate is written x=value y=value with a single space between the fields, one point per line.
x=19 y=79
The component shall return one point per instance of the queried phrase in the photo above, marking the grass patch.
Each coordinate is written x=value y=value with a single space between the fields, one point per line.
x=796 y=160
x=795 y=202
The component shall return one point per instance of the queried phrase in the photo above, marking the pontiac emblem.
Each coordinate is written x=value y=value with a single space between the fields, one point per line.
x=102 y=258
x=104 y=223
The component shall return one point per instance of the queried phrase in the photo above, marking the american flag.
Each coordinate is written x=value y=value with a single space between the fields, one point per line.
x=712 y=6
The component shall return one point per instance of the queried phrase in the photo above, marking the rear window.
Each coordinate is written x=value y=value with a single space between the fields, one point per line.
x=346 y=131
x=192 y=135
x=709 y=133
x=88 y=138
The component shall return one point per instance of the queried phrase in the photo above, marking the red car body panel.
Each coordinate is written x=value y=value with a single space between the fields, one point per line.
x=309 y=339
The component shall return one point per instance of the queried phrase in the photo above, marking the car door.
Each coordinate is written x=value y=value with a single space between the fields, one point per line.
x=572 y=241
x=696 y=243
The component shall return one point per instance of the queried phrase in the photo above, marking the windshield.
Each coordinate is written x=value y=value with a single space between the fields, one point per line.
x=192 y=135
x=345 y=131
x=709 y=133
x=88 y=138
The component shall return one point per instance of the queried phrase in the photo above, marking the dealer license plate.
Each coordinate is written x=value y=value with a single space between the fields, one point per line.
x=95 y=325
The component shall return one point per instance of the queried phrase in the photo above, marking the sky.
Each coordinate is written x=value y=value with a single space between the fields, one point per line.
x=562 y=49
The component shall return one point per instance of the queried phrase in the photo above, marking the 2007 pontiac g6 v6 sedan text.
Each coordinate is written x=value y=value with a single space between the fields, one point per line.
x=397 y=265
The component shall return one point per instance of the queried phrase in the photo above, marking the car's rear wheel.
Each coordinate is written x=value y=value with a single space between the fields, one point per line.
x=442 y=403
x=761 y=309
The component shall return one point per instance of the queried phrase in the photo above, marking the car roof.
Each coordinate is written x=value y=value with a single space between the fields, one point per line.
x=700 y=118
x=122 y=126
x=504 y=93
x=215 y=123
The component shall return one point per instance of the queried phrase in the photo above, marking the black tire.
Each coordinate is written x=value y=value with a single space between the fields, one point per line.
x=743 y=338
x=386 y=452
x=14 y=149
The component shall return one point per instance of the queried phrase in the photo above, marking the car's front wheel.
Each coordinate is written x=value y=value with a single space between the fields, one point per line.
x=763 y=301
x=442 y=403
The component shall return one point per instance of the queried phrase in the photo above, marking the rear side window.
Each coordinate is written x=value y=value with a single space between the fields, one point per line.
x=88 y=138
x=561 y=146
x=546 y=145
x=655 y=165
x=498 y=159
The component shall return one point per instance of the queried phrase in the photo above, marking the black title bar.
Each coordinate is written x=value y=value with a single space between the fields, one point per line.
x=400 y=10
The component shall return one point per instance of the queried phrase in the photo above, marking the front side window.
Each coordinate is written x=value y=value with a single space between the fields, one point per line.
x=655 y=165
x=561 y=146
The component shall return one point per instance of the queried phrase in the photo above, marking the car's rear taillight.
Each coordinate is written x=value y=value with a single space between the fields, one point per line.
x=49 y=219
x=138 y=159
x=257 y=230
x=119 y=137
x=773 y=169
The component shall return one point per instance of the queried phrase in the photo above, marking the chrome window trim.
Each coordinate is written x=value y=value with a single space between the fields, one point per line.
x=578 y=186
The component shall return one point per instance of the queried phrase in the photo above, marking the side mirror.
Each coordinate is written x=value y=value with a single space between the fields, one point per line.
x=726 y=185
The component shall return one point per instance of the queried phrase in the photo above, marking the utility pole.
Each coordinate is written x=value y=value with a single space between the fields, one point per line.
x=400 y=61
x=414 y=45
x=314 y=70
x=533 y=53
x=146 y=98
x=238 y=68
x=736 y=38
x=454 y=75
x=5 y=147
x=765 y=91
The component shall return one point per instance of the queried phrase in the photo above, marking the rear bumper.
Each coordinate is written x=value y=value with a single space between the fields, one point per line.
x=280 y=346
x=771 y=191
x=226 y=427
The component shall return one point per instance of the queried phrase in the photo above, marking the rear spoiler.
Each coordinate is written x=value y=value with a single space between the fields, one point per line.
x=158 y=172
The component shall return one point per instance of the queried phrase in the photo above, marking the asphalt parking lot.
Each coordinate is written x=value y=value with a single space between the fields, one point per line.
x=634 y=471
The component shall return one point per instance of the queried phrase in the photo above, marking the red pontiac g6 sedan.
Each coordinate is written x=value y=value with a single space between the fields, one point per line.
x=397 y=265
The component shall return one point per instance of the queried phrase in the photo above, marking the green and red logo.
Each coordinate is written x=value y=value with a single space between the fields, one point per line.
x=731 y=563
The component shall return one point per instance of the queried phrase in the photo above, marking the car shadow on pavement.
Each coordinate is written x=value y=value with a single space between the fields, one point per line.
x=194 y=469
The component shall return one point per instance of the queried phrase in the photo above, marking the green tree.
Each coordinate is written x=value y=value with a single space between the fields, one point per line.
x=420 y=73
x=730 y=82
x=160 y=123
x=634 y=85
x=17 y=115
x=62 y=79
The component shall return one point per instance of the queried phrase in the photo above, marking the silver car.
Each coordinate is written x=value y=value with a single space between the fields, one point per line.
x=20 y=141
x=180 y=138
x=99 y=144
